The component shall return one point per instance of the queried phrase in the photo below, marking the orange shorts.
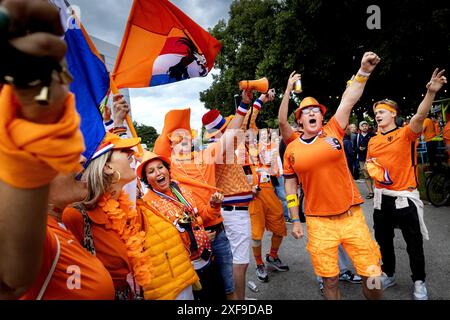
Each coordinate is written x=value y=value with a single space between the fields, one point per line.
x=325 y=234
x=266 y=212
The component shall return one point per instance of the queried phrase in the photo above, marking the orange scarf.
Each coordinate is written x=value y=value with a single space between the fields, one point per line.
x=32 y=154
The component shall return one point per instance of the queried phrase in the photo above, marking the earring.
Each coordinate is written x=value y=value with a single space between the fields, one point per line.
x=118 y=179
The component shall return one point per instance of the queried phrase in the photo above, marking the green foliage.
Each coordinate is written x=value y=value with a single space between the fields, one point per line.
x=148 y=134
x=324 y=41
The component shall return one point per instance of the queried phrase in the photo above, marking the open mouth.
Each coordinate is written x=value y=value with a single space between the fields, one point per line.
x=161 y=180
x=379 y=120
x=312 y=121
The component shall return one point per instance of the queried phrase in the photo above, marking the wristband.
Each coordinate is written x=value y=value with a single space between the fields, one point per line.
x=360 y=78
x=242 y=109
x=295 y=220
x=292 y=200
x=364 y=74
x=257 y=104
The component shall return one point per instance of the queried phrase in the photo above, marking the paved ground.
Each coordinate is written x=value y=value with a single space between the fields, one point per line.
x=300 y=284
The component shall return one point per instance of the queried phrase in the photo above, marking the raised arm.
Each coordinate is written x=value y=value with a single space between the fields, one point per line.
x=24 y=196
x=285 y=128
x=437 y=81
x=354 y=92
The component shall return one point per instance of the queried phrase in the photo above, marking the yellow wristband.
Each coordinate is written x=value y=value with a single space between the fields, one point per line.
x=292 y=200
x=361 y=79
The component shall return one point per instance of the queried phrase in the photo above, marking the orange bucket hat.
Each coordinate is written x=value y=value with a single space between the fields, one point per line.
x=174 y=119
x=149 y=156
x=308 y=102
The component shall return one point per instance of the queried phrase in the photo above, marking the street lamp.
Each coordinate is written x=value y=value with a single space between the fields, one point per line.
x=234 y=98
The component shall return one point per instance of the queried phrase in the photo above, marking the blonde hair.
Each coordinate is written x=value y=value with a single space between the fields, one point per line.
x=98 y=181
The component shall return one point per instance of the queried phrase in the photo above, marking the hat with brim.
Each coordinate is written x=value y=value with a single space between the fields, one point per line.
x=309 y=102
x=214 y=123
x=114 y=142
x=174 y=119
x=147 y=157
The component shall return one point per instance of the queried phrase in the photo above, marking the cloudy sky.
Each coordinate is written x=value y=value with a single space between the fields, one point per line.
x=106 y=19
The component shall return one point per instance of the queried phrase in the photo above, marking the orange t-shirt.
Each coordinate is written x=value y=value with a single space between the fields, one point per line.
x=109 y=248
x=78 y=274
x=203 y=170
x=429 y=131
x=321 y=168
x=396 y=152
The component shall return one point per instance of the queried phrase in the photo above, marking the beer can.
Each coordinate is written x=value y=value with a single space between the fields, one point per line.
x=298 y=86
x=252 y=286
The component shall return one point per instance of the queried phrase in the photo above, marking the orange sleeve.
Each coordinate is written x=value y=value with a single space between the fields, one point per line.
x=334 y=128
x=446 y=131
x=409 y=134
x=32 y=154
x=288 y=170
x=294 y=136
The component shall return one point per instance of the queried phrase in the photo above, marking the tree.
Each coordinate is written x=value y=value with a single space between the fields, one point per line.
x=324 y=41
x=148 y=134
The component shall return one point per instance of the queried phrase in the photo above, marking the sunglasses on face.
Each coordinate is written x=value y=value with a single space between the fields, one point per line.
x=308 y=110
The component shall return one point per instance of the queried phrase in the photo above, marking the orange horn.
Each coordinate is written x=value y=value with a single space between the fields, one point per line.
x=260 y=85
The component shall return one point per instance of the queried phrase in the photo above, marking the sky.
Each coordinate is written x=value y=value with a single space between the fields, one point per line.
x=106 y=19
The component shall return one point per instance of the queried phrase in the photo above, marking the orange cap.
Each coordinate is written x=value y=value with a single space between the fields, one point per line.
x=112 y=141
x=149 y=156
x=308 y=102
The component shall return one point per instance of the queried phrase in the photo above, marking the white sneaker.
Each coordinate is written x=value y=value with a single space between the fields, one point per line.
x=420 y=290
x=386 y=281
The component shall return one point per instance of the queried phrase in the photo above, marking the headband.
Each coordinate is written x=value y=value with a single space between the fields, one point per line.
x=386 y=107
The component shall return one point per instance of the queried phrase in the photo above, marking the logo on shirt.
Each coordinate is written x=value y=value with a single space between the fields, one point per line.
x=334 y=143
x=389 y=139
x=292 y=158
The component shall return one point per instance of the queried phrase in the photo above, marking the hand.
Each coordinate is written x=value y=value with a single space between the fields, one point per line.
x=211 y=235
x=255 y=190
x=437 y=81
x=297 y=230
x=36 y=31
x=120 y=109
x=216 y=199
x=269 y=96
x=247 y=97
x=106 y=113
x=369 y=62
x=292 y=79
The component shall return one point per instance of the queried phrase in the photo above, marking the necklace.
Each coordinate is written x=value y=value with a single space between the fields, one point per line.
x=123 y=219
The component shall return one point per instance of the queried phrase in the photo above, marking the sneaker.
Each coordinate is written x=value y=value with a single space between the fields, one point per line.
x=386 y=281
x=350 y=277
x=276 y=263
x=420 y=291
x=261 y=273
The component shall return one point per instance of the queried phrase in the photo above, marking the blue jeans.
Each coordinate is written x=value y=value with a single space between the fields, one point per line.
x=224 y=259
x=281 y=194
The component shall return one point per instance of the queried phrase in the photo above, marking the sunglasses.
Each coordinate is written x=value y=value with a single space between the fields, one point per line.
x=308 y=110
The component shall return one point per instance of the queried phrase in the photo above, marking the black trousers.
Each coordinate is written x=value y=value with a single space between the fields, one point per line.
x=212 y=284
x=407 y=220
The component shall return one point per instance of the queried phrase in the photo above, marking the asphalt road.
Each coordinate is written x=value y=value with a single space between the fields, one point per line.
x=300 y=283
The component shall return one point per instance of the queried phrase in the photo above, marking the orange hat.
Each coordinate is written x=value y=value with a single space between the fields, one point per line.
x=308 y=102
x=214 y=123
x=149 y=156
x=175 y=119
x=114 y=142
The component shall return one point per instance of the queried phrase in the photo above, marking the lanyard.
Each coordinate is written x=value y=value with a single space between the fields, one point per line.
x=180 y=200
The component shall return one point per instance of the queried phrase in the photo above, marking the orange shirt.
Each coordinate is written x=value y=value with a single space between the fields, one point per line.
x=396 y=152
x=321 y=168
x=429 y=131
x=109 y=248
x=78 y=274
x=203 y=170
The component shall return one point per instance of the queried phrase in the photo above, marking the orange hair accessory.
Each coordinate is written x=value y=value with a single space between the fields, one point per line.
x=32 y=154
x=386 y=107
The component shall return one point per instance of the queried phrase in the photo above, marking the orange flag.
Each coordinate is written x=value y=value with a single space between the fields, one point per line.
x=162 y=45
